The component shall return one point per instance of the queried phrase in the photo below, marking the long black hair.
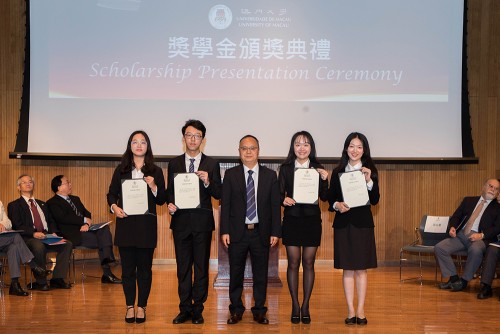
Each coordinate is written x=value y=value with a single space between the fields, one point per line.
x=127 y=162
x=290 y=159
x=366 y=158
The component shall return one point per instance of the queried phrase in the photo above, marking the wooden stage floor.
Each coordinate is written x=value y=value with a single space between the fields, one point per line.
x=392 y=307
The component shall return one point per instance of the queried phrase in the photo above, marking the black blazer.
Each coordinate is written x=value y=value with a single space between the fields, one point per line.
x=286 y=177
x=490 y=220
x=234 y=203
x=360 y=216
x=138 y=230
x=19 y=213
x=67 y=221
x=195 y=220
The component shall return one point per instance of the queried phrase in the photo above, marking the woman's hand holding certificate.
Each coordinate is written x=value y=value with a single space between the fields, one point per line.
x=306 y=186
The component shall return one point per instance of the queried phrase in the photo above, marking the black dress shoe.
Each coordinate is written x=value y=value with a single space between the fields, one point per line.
x=111 y=279
x=459 y=285
x=306 y=319
x=350 y=321
x=445 y=286
x=181 y=318
x=40 y=272
x=362 y=321
x=58 y=283
x=485 y=292
x=142 y=319
x=131 y=319
x=295 y=319
x=16 y=290
x=38 y=286
x=234 y=319
x=197 y=319
x=261 y=319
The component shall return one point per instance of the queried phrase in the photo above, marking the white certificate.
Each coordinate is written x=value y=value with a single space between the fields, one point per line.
x=187 y=190
x=135 y=196
x=354 y=188
x=306 y=186
x=436 y=224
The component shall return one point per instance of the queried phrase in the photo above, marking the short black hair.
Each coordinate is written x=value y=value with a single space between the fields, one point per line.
x=56 y=183
x=198 y=125
x=250 y=136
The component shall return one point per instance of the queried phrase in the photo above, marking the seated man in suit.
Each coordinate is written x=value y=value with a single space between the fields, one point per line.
x=489 y=267
x=17 y=252
x=473 y=226
x=73 y=221
x=250 y=223
x=32 y=217
x=192 y=228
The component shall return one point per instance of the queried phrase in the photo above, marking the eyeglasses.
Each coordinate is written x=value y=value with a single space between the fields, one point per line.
x=190 y=136
x=27 y=182
x=249 y=148
x=63 y=184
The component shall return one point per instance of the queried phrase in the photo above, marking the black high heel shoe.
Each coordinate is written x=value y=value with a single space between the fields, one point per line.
x=295 y=319
x=130 y=320
x=306 y=319
x=351 y=321
x=140 y=320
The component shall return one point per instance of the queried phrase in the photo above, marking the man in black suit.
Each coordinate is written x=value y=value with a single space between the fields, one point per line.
x=250 y=222
x=473 y=226
x=32 y=217
x=73 y=220
x=192 y=227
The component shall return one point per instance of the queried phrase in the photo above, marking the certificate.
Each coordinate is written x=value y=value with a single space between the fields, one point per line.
x=354 y=188
x=305 y=186
x=187 y=190
x=135 y=196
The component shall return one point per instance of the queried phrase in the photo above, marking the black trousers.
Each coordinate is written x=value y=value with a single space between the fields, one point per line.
x=100 y=239
x=192 y=250
x=259 y=255
x=40 y=250
x=136 y=274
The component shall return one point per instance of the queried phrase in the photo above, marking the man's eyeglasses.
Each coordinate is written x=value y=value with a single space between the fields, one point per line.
x=246 y=148
x=190 y=136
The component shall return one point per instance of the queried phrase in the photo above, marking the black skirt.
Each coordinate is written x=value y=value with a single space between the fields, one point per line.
x=354 y=248
x=301 y=231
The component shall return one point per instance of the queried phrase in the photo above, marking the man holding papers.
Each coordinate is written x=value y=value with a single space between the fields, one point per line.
x=473 y=226
x=193 y=179
x=33 y=217
x=74 y=221
x=17 y=253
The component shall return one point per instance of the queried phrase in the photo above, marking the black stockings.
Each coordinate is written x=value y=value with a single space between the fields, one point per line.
x=292 y=274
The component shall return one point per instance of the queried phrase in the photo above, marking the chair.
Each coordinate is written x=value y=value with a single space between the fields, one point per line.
x=3 y=265
x=83 y=250
x=429 y=233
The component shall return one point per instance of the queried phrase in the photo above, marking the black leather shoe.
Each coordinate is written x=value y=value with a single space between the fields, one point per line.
x=142 y=319
x=130 y=310
x=58 y=283
x=38 y=286
x=181 y=318
x=445 y=286
x=485 y=292
x=111 y=279
x=16 y=290
x=295 y=319
x=197 y=319
x=234 y=319
x=261 y=319
x=40 y=272
x=458 y=285
x=362 y=321
x=350 y=321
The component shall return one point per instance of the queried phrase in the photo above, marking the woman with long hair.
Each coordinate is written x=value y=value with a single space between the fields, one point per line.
x=136 y=235
x=301 y=230
x=354 y=235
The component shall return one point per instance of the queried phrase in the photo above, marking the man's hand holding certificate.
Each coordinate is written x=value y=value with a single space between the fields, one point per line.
x=187 y=190
x=135 y=196
x=306 y=186
x=354 y=188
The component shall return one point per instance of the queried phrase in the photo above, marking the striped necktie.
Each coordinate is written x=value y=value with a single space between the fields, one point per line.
x=73 y=206
x=251 y=207
x=191 y=166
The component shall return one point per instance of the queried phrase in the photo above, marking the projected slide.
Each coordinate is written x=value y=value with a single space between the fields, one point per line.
x=390 y=69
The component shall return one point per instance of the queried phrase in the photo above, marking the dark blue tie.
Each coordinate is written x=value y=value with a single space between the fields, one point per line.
x=73 y=206
x=191 y=166
x=251 y=207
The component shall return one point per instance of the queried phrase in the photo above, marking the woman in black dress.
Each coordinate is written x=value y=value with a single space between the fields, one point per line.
x=354 y=236
x=136 y=235
x=301 y=222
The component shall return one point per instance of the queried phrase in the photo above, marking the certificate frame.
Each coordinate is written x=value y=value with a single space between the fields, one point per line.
x=354 y=190
x=306 y=186
x=135 y=197
x=187 y=191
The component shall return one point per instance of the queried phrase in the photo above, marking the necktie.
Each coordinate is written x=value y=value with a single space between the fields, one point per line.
x=251 y=207
x=37 y=220
x=73 y=206
x=191 y=166
x=473 y=217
